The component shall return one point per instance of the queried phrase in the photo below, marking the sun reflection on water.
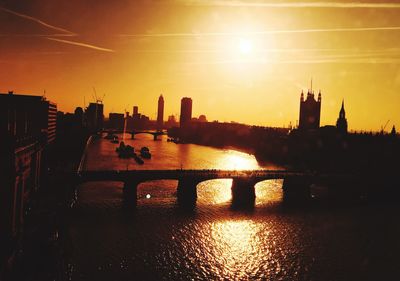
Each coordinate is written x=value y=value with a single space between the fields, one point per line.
x=237 y=245
x=234 y=160
x=214 y=191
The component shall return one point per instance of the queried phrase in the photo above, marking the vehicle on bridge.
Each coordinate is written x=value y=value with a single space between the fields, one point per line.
x=110 y=136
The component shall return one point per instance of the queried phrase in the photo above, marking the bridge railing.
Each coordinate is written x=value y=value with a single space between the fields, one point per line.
x=84 y=156
x=200 y=173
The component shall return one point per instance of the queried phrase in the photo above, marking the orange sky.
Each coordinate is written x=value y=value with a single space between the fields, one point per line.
x=245 y=61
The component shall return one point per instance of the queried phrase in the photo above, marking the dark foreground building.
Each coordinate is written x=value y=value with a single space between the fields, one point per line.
x=27 y=131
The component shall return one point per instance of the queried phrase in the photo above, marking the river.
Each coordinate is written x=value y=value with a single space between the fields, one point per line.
x=158 y=240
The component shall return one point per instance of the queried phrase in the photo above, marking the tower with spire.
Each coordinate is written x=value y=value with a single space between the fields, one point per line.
x=393 y=132
x=160 y=113
x=341 y=123
x=310 y=110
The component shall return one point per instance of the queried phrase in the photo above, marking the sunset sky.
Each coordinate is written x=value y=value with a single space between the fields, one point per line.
x=244 y=61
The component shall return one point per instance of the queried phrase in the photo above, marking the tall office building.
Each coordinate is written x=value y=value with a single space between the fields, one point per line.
x=186 y=111
x=160 y=113
x=94 y=116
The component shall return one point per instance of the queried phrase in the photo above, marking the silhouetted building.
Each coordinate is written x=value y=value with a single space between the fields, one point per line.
x=94 y=116
x=27 y=130
x=186 y=111
x=137 y=121
x=202 y=118
x=79 y=116
x=171 y=122
x=310 y=111
x=160 y=113
x=341 y=123
x=393 y=132
x=135 y=110
x=116 y=121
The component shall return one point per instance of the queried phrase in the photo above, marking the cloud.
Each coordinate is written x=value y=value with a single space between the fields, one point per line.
x=342 y=5
x=81 y=44
x=45 y=24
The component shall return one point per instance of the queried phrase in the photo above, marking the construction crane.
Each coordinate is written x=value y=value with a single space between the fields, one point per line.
x=384 y=127
x=96 y=98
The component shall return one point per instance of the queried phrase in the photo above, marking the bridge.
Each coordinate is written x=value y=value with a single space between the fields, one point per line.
x=136 y=132
x=296 y=184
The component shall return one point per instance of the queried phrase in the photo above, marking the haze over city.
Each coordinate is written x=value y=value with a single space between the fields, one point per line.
x=244 y=61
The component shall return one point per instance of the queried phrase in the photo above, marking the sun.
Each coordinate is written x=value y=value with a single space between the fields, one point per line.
x=245 y=46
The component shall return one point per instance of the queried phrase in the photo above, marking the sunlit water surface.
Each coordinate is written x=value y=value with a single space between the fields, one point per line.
x=160 y=241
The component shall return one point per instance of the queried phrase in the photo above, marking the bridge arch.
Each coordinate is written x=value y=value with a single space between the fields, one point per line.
x=239 y=191
x=107 y=190
x=163 y=188
x=269 y=191
x=214 y=191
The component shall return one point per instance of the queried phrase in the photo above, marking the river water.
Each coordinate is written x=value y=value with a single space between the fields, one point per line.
x=158 y=240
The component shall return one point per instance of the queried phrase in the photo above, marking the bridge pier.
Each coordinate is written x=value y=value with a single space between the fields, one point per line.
x=132 y=136
x=296 y=189
x=243 y=192
x=155 y=137
x=187 y=191
x=130 y=192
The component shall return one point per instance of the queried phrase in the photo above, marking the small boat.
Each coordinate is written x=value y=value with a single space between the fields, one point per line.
x=145 y=152
x=125 y=151
x=138 y=159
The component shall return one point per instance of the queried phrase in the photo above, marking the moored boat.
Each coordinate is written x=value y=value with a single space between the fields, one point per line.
x=145 y=152
x=125 y=151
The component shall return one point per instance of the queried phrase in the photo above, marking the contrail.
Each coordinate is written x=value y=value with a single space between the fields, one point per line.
x=64 y=32
x=266 y=32
x=81 y=44
x=38 y=35
x=305 y=61
x=343 y=5
x=38 y=21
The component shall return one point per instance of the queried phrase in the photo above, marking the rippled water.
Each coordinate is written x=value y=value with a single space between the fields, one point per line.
x=160 y=241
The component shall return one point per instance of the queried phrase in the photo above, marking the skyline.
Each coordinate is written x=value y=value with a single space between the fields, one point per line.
x=234 y=58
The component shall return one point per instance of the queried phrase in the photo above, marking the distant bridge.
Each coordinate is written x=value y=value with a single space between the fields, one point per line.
x=296 y=184
x=155 y=134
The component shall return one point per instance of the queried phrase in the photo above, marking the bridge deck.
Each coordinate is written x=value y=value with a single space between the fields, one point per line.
x=178 y=174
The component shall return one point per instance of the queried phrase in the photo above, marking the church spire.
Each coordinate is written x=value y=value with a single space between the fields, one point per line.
x=393 y=132
x=342 y=113
x=341 y=123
